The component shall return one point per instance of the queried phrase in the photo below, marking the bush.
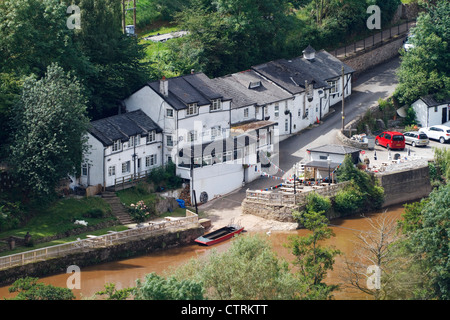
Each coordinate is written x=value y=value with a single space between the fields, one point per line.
x=317 y=203
x=348 y=201
x=165 y=177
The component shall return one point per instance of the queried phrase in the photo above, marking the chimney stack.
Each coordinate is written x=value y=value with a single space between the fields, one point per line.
x=309 y=53
x=164 y=86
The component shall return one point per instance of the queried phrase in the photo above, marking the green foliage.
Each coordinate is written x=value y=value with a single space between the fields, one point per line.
x=11 y=215
x=140 y=212
x=431 y=241
x=442 y=162
x=155 y=287
x=112 y=293
x=364 y=189
x=312 y=259
x=314 y=203
x=165 y=177
x=248 y=270
x=425 y=68
x=349 y=201
x=411 y=118
x=50 y=126
x=29 y=289
x=412 y=218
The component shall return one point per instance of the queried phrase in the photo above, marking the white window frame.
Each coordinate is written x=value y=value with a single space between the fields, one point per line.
x=126 y=166
x=151 y=136
x=169 y=141
x=216 y=131
x=84 y=169
x=117 y=146
x=215 y=105
x=151 y=160
x=277 y=110
x=335 y=88
x=192 y=136
x=192 y=109
x=169 y=113
x=246 y=113
x=111 y=171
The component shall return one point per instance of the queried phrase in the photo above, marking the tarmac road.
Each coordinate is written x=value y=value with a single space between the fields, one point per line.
x=380 y=82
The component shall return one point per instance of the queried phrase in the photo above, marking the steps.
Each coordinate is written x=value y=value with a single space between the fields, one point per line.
x=118 y=209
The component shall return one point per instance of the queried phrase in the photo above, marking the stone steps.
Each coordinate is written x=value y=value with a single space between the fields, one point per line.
x=118 y=209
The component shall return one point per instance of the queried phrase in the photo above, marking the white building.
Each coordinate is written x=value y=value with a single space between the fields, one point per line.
x=196 y=118
x=430 y=112
x=314 y=80
x=121 y=146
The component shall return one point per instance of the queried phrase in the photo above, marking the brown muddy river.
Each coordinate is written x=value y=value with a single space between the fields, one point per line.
x=125 y=272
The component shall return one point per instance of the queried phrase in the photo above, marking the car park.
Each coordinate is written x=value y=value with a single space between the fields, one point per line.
x=437 y=132
x=416 y=139
x=391 y=140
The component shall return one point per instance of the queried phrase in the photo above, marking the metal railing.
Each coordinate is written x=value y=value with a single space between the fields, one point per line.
x=291 y=198
x=372 y=40
x=94 y=242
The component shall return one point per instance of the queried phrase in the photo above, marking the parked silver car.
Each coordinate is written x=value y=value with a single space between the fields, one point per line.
x=416 y=138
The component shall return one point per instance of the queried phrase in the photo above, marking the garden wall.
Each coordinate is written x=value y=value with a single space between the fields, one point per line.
x=153 y=242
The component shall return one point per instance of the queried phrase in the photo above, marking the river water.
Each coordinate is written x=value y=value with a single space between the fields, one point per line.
x=125 y=272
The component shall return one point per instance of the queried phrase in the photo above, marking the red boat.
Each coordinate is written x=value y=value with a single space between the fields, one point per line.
x=219 y=235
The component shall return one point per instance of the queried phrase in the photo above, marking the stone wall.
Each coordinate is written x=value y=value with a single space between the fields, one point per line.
x=382 y=52
x=403 y=186
x=154 y=242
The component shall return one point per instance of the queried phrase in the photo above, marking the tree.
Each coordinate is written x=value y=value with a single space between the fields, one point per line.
x=369 y=269
x=29 y=289
x=156 y=287
x=425 y=69
x=227 y=36
x=115 y=294
x=49 y=131
x=248 y=270
x=431 y=241
x=312 y=259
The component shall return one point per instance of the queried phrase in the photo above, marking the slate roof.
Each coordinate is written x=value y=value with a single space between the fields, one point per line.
x=292 y=74
x=122 y=127
x=432 y=102
x=247 y=87
x=335 y=149
x=192 y=88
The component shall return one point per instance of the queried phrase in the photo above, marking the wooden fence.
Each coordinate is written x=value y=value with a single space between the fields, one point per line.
x=291 y=198
x=94 y=242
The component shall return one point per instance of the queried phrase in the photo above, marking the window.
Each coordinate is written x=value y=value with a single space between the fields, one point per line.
x=246 y=113
x=192 y=109
x=126 y=167
x=192 y=136
x=151 y=136
x=334 y=86
x=151 y=160
x=286 y=125
x=136 y=140
x=277 y=110
x=216 y=131
x=299 y=113
x=84 y=169
x=169 y=113
x=111 y=171
x=215 y=105
x=169 y=141
x=116 y=146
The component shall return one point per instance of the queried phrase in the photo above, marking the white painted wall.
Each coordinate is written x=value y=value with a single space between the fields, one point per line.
x=94 y=159
x=429 y=116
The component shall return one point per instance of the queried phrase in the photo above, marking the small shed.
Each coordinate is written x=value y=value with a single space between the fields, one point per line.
x=323 y=160
x=431 y=112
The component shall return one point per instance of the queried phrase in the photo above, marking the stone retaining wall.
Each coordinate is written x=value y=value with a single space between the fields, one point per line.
x=127 y=249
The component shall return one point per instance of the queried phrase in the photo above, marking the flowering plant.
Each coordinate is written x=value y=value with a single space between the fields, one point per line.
x=139 y=211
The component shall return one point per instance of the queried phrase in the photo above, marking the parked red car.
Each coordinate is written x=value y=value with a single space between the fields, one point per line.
x=391 y=140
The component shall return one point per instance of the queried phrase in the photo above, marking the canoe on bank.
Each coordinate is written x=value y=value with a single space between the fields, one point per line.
x=219 y=235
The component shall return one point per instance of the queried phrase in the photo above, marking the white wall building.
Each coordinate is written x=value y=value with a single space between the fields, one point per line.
x=121 y=146
x=430 y=112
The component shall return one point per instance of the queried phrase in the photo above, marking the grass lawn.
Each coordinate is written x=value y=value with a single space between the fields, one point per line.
x=59 y=217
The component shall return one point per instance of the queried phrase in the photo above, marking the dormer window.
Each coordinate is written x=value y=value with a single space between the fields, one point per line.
x=216 y=105
x=136 y=140
x=151 y=136
x=116 y=146
x=192 y=109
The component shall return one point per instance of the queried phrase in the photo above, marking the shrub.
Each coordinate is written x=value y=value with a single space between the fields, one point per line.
x=94 y=213
x=348 y=201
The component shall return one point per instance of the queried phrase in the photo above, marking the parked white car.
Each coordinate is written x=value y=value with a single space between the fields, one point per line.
x=407 y=45
x=438 y=132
